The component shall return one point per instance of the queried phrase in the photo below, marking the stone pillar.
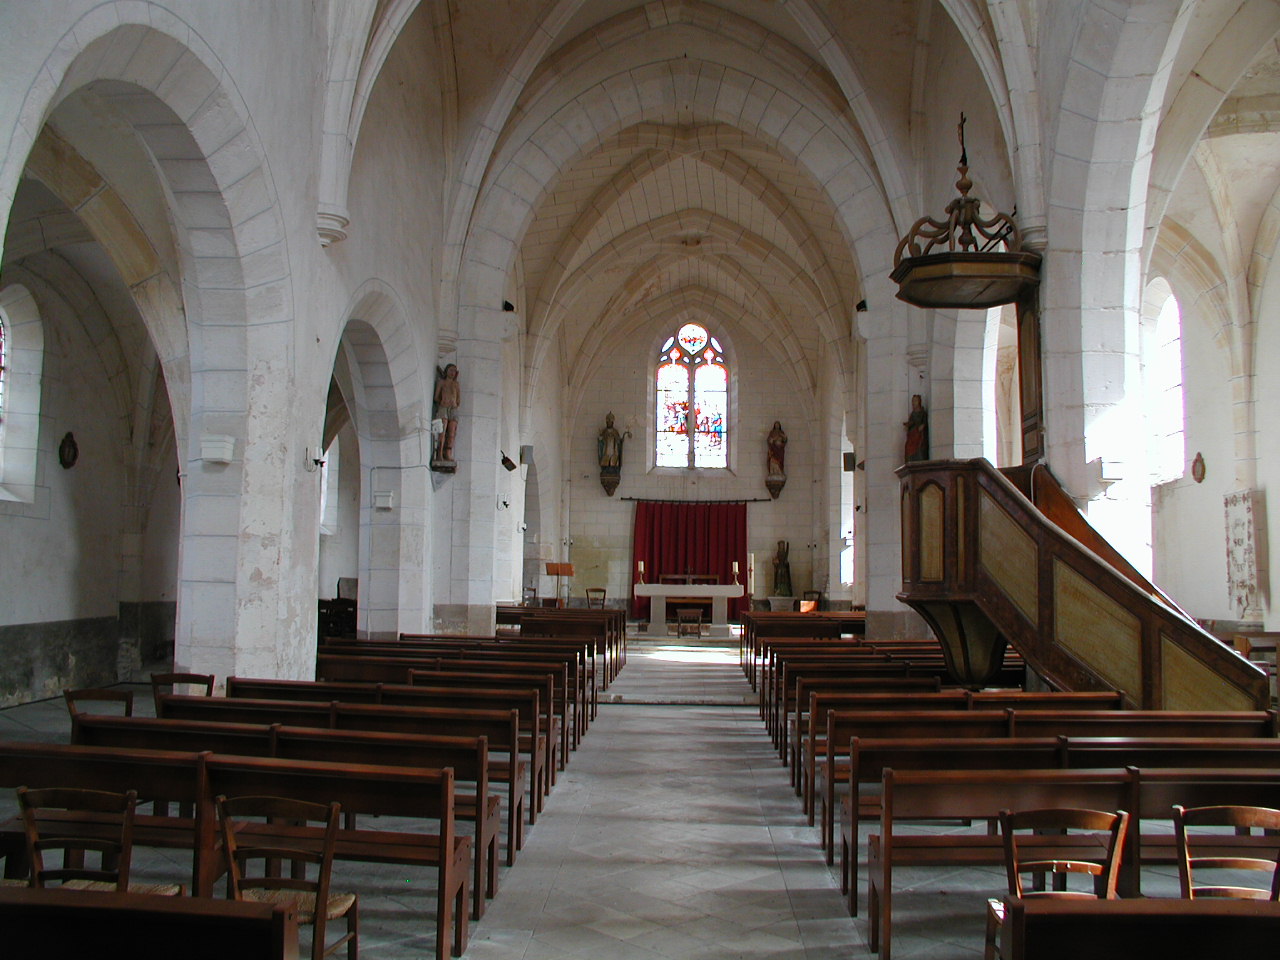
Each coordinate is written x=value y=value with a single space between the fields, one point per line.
x=471 y=493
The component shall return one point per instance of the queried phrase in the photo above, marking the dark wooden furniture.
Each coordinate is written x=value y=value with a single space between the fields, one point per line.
x=262 y=836
x=1125 y=929
x=1101 y=864
x=69 y=923
x=1198 y=853
x=468 y=756
x=98 y=696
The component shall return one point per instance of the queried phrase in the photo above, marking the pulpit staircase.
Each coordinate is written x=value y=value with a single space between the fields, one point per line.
x=995 y=557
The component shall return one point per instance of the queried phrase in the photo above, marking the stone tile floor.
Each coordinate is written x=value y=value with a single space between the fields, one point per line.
x=672 y=835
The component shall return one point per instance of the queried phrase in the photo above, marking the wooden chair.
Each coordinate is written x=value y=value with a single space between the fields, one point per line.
x=278 y=836
x=530 y=598
x=73 y=822
x=595 y=597
x=689 y=622
x=810 y=601
x=162 y=683
x=75 y=698
x=1244 y=820
x=1099 y=831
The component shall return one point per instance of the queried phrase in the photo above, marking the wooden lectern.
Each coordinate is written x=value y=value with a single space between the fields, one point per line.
x=559 y=570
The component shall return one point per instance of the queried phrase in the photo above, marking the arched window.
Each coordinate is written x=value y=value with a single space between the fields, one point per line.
x=692 y=395
x=21 y=368
x=1162 y=383
x=2 y=360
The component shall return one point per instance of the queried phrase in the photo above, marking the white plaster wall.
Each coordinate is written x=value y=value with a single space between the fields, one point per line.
x=1268 y=449
x=159 y=579
x=544 y=432
x=340 y=550
x=61 y=555
x=601 y=526
x=1189 y=532
x=509 y=502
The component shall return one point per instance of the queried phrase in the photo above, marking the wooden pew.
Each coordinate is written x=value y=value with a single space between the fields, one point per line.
x=979 y=795
x=500 y=727
x=543 y=723
x=823 y=698
x=793 y=723
x=379 y=791
x=165 y=774
x=844 y=725
x=80 y=923
x=1045 y=929
x=869 y=758
x=975 y=795
x=280 y=698
x=575 y=654
x=759 y=626
x=468 y=756
x=606 y=628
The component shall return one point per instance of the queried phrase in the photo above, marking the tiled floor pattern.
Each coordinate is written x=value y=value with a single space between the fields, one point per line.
x=672 y=835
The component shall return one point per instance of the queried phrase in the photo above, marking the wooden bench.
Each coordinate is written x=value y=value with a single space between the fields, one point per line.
x=577 y=657
x=500 y=727
x=605 y=628
x=869 y=758
x=543 y=722
x=975 y=795
x=79 y=923
x=1045 y=929
x=383 y=793
x=795 y=709
x=979 y=795
x=305 y=703
x=379 y=791
x=467 y=756
x=842 y=726
x=810 y=740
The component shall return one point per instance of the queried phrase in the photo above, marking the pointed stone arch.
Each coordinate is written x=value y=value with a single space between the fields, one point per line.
x=242 y=606
x=390 y=414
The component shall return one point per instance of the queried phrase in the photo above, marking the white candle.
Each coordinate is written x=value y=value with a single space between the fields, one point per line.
x=735 y=568
x=640 y=565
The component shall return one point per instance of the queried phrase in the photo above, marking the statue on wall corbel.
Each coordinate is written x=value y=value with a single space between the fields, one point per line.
x=776 y=460
x=609 y=453
x=444 y=423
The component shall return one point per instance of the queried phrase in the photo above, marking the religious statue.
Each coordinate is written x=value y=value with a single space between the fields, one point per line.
x=917 y=445
x=609 y=454
x=448 y=396
x=776 y=460
x=781 y=571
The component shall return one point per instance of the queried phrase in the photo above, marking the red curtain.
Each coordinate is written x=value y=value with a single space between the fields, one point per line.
x=689 y=538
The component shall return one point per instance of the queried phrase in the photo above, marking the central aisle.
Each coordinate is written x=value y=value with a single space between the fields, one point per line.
x=672 y=834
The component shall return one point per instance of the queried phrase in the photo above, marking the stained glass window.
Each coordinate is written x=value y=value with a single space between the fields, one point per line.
x=692 y=409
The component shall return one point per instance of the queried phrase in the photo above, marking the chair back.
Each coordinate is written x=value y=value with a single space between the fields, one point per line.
x=78 y=699
x=67 y=823
x=1060 y=841
x=1201 y=847
x=198 y=684
x=688 y=621
x=279 y=849
x=595 y=597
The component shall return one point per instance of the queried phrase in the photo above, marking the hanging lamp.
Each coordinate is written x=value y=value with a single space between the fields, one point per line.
x=963 y=261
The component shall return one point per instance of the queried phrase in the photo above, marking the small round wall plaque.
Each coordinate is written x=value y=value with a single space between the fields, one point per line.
x=68 y=452
x=1197 y=468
